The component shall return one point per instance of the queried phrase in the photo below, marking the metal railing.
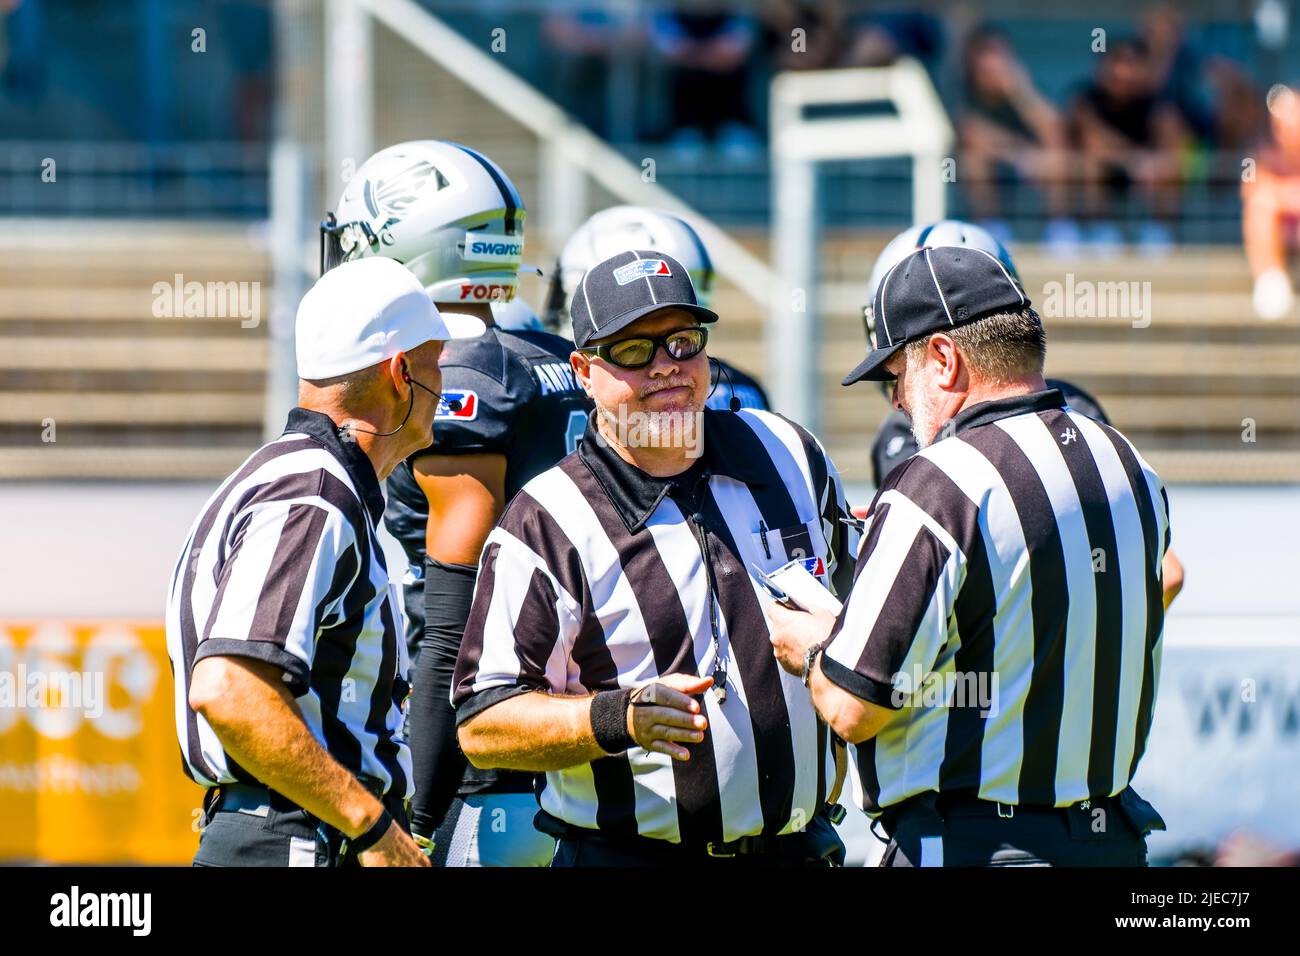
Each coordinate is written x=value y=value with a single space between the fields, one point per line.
x=917 y=128
x=570 y=153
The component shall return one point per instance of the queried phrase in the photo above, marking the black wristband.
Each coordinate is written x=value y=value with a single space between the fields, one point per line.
x=372 y=836
x=609 y=720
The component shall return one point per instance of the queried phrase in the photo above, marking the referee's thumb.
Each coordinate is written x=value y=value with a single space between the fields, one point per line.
x=686 y=683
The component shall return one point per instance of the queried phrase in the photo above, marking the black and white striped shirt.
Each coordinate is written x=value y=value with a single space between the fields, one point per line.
x=595 y=579
x=284 y=566
x=1008 y=597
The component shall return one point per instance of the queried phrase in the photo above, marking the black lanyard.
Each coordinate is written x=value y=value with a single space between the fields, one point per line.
x=690 y=503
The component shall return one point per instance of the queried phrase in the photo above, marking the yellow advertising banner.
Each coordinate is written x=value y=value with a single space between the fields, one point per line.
x=89 y=767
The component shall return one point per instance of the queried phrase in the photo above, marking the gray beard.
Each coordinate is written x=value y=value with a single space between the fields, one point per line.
x=920 y=440
x=921 y=420
x=661 y=429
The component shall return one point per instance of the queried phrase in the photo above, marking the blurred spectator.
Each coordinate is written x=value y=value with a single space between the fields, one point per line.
x=247 y=34
x=22 y=61
x=825 y=40
x=1007 y=125
x=709 y=52
x=1239 y=116
x=1216 y=97
x=1245 y=849
x=878 y=39
x=1128 y=136
x=1270 y=209
x=1177 y=68
x=583 y=45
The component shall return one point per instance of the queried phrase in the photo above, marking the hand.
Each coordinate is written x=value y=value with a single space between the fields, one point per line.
x=664 y=713
x=794 y=630
x=395 y=848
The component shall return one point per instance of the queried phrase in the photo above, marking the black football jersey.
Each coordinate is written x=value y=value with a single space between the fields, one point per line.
x=894 y=443
x=518 y=398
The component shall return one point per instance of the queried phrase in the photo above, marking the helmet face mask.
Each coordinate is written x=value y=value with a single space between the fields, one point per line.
x=869 y=323
x=447 y=213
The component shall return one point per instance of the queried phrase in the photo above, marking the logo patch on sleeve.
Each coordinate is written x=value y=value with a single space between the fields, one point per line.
x=468 y=410
x=640 y=269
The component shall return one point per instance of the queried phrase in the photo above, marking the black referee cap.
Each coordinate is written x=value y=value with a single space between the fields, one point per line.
x=931 y=290
x=615 y=293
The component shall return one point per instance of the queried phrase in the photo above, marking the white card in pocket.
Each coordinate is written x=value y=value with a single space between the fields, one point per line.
x=805 y=590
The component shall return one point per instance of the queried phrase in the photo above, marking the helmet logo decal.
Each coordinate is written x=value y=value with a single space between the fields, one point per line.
x=391 y=196
x=492 y=247
x=486 y=292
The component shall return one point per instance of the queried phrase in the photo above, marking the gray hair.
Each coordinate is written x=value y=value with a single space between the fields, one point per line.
x=1001 y=347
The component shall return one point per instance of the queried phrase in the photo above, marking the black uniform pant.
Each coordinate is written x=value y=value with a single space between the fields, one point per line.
x=964 y=831
x=248 y=825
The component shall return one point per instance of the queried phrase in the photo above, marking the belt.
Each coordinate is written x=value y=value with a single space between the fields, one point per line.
x=803 y=845
x=257 y=799
x=967 y=803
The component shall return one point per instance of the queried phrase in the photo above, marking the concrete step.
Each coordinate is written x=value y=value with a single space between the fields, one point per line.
x=139 y=410
x=101 y=354
x=55 y=461
x=98 y=303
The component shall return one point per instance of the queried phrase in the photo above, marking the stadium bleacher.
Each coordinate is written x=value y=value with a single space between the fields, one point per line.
x=135 y=396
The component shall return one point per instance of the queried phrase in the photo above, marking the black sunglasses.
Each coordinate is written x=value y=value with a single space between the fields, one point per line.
x=680 y=344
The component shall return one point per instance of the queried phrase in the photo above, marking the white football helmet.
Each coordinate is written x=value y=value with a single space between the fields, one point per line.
x=945 y=232
x=446 y=212
x=615 y=230
x=516 y=316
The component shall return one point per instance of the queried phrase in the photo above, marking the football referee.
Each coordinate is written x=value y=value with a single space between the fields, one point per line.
x=283 y=630
x=617 y=641
x=997 y=659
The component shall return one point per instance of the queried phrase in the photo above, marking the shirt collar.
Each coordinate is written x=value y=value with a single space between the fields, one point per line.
x=321 y=427
x=985 y=413
x=636 y=494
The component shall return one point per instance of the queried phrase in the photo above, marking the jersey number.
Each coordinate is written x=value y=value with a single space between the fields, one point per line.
x=573 y=434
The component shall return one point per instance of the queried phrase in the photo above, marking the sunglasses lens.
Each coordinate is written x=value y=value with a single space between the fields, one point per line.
x=686 y=343
x=631 y=353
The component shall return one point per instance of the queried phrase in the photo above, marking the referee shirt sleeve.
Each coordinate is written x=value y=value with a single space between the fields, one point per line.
x=277 y=586
x=895 y=620
x=520 y=628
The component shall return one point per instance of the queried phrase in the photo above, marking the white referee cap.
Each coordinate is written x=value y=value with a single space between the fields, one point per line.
x=365 y=311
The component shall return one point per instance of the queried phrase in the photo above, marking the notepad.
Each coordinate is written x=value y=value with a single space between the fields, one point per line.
x=803 y=588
